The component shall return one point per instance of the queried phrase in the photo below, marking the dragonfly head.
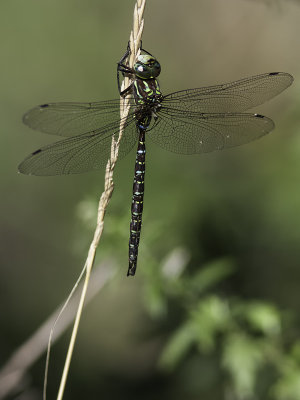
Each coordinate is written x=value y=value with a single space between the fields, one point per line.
x=146 y=67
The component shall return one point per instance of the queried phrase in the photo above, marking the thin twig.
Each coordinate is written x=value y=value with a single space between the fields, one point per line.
x=135 y=42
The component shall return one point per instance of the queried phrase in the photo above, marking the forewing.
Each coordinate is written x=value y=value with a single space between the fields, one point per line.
x=236 y=96
x=208 y=132
x=81 y=153
x=71 y=119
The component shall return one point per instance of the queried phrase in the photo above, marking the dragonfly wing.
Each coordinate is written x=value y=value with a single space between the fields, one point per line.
x=71 y=119
x=236 y=96
x=81 y=153
x=208 y=132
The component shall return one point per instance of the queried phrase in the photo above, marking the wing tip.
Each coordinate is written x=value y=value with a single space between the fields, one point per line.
x=286 y=74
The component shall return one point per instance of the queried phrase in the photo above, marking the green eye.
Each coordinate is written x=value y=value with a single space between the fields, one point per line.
x=146 y=67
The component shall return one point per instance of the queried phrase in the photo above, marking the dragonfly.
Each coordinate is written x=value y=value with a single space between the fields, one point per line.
x=191 y=121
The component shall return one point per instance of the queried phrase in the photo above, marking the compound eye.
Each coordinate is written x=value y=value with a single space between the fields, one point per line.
x=142 y=71
x=157 y=68
x=147 y=67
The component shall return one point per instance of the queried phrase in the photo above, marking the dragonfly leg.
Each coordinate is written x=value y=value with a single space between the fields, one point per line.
x=125 y=70
x=127 y=90
x=122 y=67
x=145 y=51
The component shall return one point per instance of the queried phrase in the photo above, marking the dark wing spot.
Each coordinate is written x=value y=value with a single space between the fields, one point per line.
x=44 y=105
x=273 y=73
x=36 y=152
x=259 y=116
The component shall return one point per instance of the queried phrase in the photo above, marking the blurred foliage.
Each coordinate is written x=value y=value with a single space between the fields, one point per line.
x=213 y=311
x=246 y=336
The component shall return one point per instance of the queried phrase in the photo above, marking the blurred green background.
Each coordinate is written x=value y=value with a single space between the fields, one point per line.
x=224 y=326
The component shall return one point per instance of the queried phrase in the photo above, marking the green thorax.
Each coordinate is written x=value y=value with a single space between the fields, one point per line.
x=146 y=91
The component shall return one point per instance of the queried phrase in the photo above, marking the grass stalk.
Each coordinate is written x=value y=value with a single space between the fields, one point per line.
x=135 y=43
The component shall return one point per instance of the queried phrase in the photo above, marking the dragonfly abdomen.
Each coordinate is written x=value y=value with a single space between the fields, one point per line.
x=137 y=203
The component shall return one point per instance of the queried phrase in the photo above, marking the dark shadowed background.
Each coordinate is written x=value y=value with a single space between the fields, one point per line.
x=227 y=326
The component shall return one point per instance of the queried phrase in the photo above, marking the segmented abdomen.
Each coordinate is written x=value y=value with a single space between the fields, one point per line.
x=137 y=203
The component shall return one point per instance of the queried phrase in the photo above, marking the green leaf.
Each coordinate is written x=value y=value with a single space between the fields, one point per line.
x=241 y=358
x=264 y=317
x=288 y=386
x=178 y=346
x=210 y=318
x=210 y=274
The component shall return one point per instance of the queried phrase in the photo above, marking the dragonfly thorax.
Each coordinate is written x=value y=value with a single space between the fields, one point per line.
x=148 y=99
x=147 y=92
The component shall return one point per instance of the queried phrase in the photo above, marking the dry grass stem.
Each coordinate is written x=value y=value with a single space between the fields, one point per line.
x=135 y=42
